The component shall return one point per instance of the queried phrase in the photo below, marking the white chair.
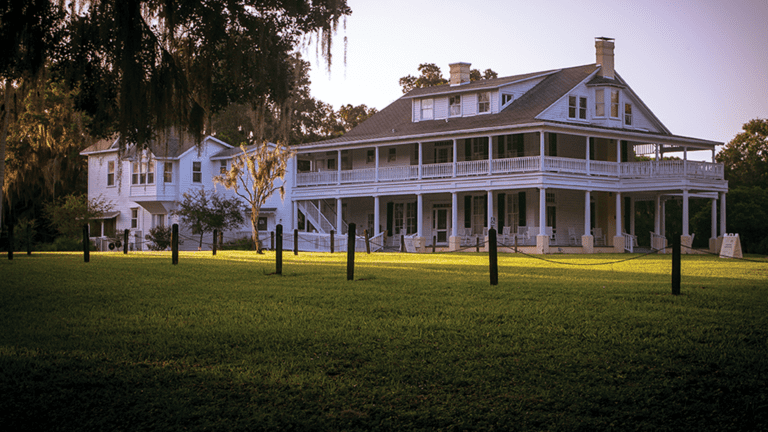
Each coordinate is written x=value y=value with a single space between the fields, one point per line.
x=505 y=235
x=573 y=237
x=597 y=233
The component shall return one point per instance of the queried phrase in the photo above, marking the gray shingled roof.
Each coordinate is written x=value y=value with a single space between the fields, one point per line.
x=394 y=121
x=171 y=146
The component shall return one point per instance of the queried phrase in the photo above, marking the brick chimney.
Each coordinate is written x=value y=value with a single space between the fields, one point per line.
x=604 y=48
x=459 y=73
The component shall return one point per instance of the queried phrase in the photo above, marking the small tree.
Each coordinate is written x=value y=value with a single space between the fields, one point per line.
x=159 y=238
x=203 y=212
x=254 y=175
x=68 y=215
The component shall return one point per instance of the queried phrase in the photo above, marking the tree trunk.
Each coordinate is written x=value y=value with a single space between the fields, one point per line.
x=255 y=228
x=3 y=139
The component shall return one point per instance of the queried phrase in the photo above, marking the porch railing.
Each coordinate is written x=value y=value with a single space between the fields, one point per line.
x=644 y=169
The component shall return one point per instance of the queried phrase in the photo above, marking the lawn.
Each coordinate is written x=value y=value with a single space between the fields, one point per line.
x=415 y=342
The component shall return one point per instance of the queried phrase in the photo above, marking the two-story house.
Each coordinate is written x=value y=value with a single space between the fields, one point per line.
x=145 y=187
x=555 y=158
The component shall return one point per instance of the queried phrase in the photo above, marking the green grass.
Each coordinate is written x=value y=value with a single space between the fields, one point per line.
x=416 y=342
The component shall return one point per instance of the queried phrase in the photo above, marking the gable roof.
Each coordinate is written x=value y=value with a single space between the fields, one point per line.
x=395 y=122
x=170 y=147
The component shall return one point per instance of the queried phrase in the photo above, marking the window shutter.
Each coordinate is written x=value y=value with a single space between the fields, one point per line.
x=468 y=211
x=521 y=209
x=500 y=141
x=624 y=151
x=519 y=144
x=591 y=148
x=390 y=217
x=467 y=151
x=553 y=144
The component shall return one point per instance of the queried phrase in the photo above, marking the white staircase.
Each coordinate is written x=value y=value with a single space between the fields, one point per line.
x=317 y=218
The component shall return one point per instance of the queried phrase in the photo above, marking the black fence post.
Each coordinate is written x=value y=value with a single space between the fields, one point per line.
x=477 y=244
x=215 y=237
x=493 y=257
x=125 y=242
x=332 y=236
x=675 y=264
x=29 y=238
x=434 y=240
x=175 y=244
x=295 y=241
x=402 y=243
x=367 y=242
x=86 y=244
x=279 y=250
x=351 y=252
x=272 y=240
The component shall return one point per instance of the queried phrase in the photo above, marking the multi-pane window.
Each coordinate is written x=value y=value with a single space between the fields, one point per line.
x=223 y=167
x=615 y=103
x=168 y=172
x=628 y=114
x=426 y=109
x=600 y=102
x=392 y=155
x=143 y=173
x=455 y=105
x=197 y=172
x=134 y=218
x=551 y=211
x=577 y=107
x=484 y=102
x=111 y=173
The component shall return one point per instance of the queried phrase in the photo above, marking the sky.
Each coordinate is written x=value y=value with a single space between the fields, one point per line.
x=700 y=65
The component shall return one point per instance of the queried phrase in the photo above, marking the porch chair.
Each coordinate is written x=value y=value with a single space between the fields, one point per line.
x=504 y=240
x=522 y=235
x=597 y=233
x=467 y=237
x=573 y=237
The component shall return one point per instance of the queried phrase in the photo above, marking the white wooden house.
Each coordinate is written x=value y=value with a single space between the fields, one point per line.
x=549 y=159
x=146 y=186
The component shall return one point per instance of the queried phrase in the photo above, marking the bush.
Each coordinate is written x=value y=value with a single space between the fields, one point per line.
x=243 y=243
x=160 y=238
x=64 y=244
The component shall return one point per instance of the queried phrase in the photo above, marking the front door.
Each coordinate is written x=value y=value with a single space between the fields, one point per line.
x=440 y=224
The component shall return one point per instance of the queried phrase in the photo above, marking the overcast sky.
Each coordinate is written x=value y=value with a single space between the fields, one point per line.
x=700 y=65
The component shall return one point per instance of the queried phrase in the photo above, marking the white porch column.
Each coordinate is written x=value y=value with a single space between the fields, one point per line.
x=588 y=166
x=685 y=212
x=421 y=162
x=295 y=218
x=618 y=151
x=722 y=214
x=419 y=215
x=490 y=210
x=455 y=160
x=657 y=215
x=339 y=220
x=541 y=153
x=587 y=240
x=587 y=213
x=455 y=214
x=542 y=211
x=663 y=230
x=376 y=215
x=338 y=167
x=713 y=232
x=685 y=161
x=619 y=221
x=490 y=157
x=377 y=163
x=632 y=215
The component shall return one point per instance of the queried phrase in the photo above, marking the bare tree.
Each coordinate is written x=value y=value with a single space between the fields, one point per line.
x=255 y=175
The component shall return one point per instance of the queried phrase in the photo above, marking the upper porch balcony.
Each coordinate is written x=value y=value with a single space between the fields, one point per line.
x=680 y=169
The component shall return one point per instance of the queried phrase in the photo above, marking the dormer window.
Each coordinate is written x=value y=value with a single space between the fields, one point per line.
x=599 y=102
x=615 y=103
x=426 y=109
x=455 y=105
x=506 y=98
x=628 y=114
x=577 y=107
x=484 y=102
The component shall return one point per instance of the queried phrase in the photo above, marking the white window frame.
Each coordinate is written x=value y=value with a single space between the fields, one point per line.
x=197 y=172
x=110 y=173
x=143 y=173
x=454 y=106
x=483 y=106
x=600 y=102
x=615 y=103
x=575 y=106
x=628 y=115
x=168 y=172
x=427 y=109
x=510 y=98
x=135 y=218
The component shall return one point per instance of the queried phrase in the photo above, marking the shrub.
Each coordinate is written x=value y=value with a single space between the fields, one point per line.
x=160 y=238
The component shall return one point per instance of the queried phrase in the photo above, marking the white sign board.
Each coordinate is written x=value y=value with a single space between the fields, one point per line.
x=731 y=247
